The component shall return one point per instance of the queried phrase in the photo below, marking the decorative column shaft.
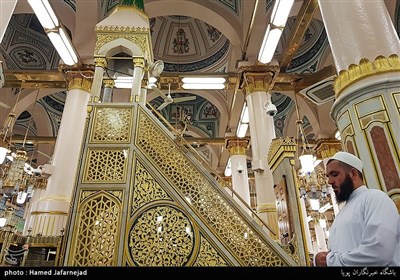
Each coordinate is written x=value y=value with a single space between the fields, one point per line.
x=262 y=131
x=101 y=64
x=143 y=92
x=240 y=179
x=138 y=63
x=48 y=215
x=108 y=90
x=367 y=88
x=320 y=238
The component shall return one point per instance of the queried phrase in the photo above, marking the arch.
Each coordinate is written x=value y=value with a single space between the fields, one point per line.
x=120 y=45
x=213 y=15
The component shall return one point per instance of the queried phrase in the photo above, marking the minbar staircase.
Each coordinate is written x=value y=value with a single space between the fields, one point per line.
x=143 y=199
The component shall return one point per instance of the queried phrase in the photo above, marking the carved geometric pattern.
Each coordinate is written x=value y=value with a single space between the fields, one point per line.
x=146 y=188
x=106 y=165
x=112 y=125
x=248 y=246
x=208 y=256
x=292 y=249
x=161 y=236
x=97 y=229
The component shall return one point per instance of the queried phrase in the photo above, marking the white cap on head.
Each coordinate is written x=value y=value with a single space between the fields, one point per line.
x=349 y=159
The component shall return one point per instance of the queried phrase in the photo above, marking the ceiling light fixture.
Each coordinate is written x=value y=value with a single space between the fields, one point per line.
x=203 y=82
x=243 y=122
x=55 y=30
x=274 y=30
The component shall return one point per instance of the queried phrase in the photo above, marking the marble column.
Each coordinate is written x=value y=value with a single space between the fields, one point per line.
x=100 y=64
x=138 y=66
x=367 y=87
x=258 y=82
x=48 y=214
x=240 y=180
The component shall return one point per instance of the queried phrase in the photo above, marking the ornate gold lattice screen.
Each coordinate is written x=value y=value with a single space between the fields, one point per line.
x=141 y=201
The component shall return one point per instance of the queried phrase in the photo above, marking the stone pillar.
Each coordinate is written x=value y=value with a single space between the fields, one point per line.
x=143 y=92
x=48 y=214
x=367 y=88
x=6 y=11
x=320 y=237
x=240 y=181
x=257 y=83
x=100 y=64
x=108 y=86
x=138 y=66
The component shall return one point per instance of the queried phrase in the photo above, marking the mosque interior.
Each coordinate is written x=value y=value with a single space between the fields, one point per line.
x=120 y=181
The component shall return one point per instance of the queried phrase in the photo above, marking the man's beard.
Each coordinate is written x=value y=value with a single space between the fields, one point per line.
x=345 y=190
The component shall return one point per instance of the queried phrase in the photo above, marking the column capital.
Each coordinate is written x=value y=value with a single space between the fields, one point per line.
x=100 y=61
x=138 y=62
x=365 y=69
x=108 y=83
x=258 y=77
x=237 y=146
x=327 y=147
x=79 y=77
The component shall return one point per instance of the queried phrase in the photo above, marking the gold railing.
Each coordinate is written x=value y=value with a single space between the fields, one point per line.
x=184 y=143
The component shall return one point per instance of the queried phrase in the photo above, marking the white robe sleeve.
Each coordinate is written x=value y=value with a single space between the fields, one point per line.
x=379 y=235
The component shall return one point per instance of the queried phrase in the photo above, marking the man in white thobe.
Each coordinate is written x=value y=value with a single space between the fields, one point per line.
x=366 y=231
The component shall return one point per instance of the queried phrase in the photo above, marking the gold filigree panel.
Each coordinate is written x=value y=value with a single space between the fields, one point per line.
x=208 y=256
x=237 y=235
x=161 y=236
x=105 y=166
x=97 y=229
x=365 y=69
x=146 y=188
x=112 y=125
x=141 y=38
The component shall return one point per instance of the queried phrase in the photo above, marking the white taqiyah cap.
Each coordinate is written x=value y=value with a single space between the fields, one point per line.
x=349 y=159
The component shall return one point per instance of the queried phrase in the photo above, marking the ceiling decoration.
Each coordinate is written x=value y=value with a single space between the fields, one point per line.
x=231 y=4
x=312 y=47
x=187 y=44
x=193 y=44
x=203 y=115
x=25 y=46
x=71 y=3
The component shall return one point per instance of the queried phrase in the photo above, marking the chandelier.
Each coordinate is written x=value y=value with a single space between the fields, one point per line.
x=18 y=178
x=311 y=178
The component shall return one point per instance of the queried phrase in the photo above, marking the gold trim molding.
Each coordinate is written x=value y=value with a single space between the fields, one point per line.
x=49 y=212
x=365 y=69
x=281 y=148
x=237 y=146
x=327 y=147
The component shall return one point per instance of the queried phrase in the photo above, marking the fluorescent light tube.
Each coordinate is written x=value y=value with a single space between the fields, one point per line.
x=203 y=80
x=270 y=42
x=63 y=46
x=244 y=117
x=44 y=13
x=203 y=86
x=242 y=130
x=228 y=169
x=123 y=82
x=280 y=12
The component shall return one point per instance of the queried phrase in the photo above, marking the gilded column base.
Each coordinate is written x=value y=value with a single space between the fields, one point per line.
x=51 y=223
x=268 y=213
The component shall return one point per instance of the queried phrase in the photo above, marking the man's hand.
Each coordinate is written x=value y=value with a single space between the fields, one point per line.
x=320 y=259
